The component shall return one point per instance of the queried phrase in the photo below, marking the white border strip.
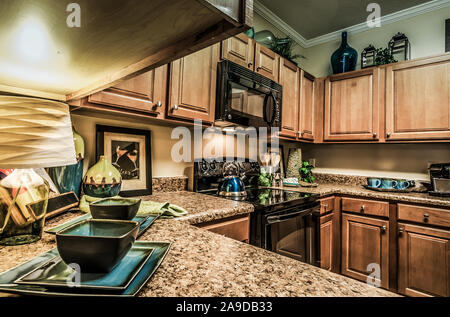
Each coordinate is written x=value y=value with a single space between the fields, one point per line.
x=387 y=19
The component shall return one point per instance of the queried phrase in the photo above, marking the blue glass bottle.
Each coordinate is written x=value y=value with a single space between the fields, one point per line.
x=344 y=58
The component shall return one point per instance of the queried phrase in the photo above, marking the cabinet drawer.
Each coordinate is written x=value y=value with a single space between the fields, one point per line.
x=237 y=229
x=366 y=207
x=326 y=205
x=424 y=215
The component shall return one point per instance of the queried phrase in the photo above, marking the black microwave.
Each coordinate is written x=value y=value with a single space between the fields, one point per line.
x=246 y=98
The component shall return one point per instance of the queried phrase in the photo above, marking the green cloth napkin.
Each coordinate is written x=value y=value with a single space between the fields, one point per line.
x=147 y=207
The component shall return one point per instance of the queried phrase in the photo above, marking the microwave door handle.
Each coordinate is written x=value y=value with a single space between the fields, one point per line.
x=265 y=109
x=274 y=105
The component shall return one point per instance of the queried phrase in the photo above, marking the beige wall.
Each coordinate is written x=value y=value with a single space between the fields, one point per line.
x=426 y=33
x=377 y=159
x=161 y=143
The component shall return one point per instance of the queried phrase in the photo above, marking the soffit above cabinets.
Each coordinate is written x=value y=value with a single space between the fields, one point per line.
x=40 y=55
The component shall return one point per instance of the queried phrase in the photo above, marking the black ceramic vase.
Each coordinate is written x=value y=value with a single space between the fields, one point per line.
x=344 y=58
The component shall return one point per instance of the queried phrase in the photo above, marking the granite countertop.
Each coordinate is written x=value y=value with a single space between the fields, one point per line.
x=328 y=189
x=201 y=263
x=202 y=208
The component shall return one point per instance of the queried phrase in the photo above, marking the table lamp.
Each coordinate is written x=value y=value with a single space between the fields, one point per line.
x=34 y=133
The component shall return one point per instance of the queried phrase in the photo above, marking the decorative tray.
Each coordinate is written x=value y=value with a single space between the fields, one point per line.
x=144 y=221
x=9 y=280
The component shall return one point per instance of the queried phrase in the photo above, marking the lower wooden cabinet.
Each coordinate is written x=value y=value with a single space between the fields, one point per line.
x=365 y=249
x=326 y=242
x=237 y=228
x=424 y=261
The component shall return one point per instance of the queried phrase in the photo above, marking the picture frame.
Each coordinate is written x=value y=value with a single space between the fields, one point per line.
x=129 y=150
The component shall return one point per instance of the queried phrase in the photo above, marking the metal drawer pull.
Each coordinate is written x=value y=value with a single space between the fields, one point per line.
x=401 y=230
x=258 y=68
x=159 y=104
x=250 y=64
x=363 y=208
x=175 y=107
x=425 y=217
x=383 y=229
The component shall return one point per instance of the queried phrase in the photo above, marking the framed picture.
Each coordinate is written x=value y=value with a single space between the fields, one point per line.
x=129 y=151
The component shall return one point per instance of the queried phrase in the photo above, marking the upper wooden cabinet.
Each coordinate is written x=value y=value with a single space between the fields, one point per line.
x=143 y=93
x=418 y=99
x=266 y=62
x=246 y=52
x=192 y=85
x=289 y=79
x=424 y=261
x=306 y=120
x=239 y=49
x=365 y=248
x=352 y=106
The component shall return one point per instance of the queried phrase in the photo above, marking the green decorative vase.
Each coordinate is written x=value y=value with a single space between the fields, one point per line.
x=102 y=180
x=68 y=178
x=344 y=58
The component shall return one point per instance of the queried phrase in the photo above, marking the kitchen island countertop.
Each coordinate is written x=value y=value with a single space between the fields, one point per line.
x=201 y=263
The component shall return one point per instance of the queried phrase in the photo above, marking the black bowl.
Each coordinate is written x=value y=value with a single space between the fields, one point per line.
x=96 y=246
x=115 y=208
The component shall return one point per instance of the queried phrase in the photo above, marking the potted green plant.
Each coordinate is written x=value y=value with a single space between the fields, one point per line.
x=306 y=173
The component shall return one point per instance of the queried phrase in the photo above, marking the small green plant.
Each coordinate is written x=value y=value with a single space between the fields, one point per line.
x=384 y=56
x=264 y=178
x=306 y=173
x=284 y=48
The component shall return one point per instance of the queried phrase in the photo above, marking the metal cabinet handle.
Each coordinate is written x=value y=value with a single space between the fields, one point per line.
x=388 y=135
x=401 y=230
x=375 y=135
x=175 y=107
x=363 y=208
x=258 y=68
x=426 y=217
x=383 y=229
x=159 y=103
x=250 y=64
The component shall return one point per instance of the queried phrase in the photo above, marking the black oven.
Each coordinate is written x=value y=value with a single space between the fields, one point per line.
x=293 y=232
x=246 y=98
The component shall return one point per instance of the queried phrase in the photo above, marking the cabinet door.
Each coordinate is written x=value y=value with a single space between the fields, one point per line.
x=192 y=89
x=145 y=93
x=418 y=99
x=352 y=106
x=289 y=79
x=306 y=119
x=240 y=50
x=266 y=62
x=365 y=249
x=237 y=228
x=326 y=242
x=424 y=261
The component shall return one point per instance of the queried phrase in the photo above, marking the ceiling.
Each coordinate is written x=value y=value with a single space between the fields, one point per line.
x=313 y=18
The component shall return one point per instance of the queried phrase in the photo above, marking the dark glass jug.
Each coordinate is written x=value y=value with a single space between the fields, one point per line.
x=344 y=58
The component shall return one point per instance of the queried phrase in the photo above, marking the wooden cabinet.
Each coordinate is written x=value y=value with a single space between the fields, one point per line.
x=306 y=118
x=424 y=261
x=239 y=49
x=143 y=93
x=266 y=62
x=418 y=99
x=365 y=248
x=365 y=207
x=326 y=242
x=289 y=79
x=352 y=106
x=329 y=235
x=237 y=228
x=192 y=85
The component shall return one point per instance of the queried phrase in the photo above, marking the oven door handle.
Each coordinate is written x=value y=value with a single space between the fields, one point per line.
x=276 y=219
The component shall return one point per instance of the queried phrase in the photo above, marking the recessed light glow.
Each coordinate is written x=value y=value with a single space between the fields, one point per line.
x=32 y=40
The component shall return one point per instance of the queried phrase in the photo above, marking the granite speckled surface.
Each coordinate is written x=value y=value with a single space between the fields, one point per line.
x=169 y=184
x=202 y=208
x=201 y=263
x=327 y=189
